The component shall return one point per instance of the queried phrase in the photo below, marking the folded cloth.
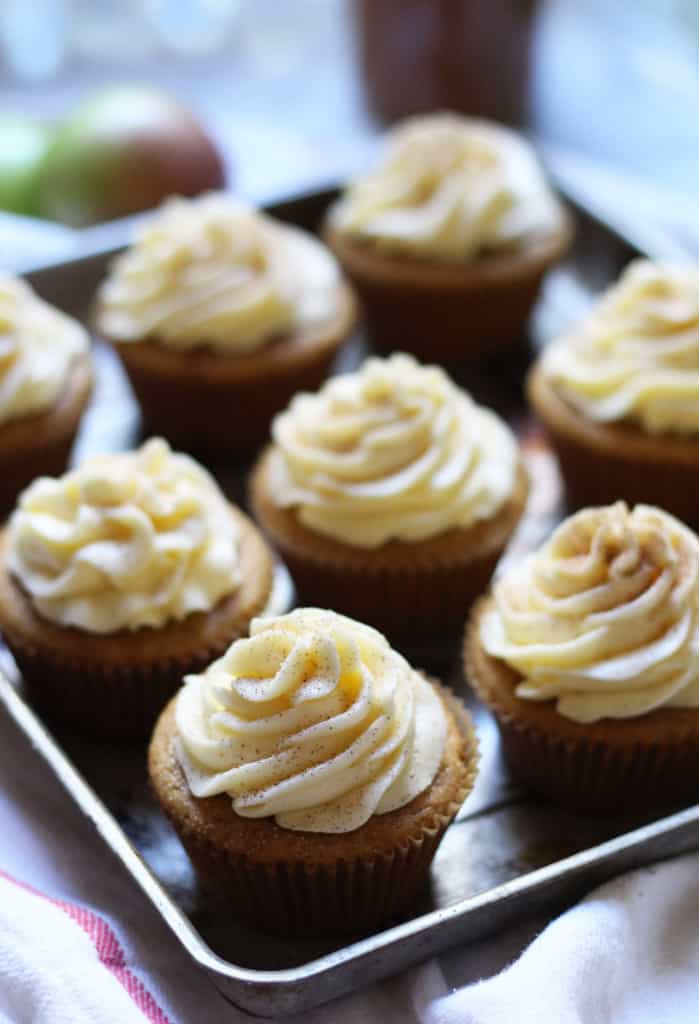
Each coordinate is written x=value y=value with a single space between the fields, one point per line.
x=61 y=963
x=628 y=954
x=104 y=935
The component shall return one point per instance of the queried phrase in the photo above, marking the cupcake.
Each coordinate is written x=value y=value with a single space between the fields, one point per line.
x=391 y=495
x=45 y=385
x=219 y=314
x=121 y=576
x=311 y=773
x=448 y=238
x=587 y=653
x=619 y=394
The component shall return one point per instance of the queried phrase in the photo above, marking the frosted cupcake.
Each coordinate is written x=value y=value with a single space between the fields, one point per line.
x=121 y=576
x=391 y=496
x=45 y=385
x=311 y=773
x=588 y=655
x=619 y=394
x=219 y=314
x=448 y=238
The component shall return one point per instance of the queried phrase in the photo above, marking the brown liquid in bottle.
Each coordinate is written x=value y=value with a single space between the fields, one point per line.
x=423 y=55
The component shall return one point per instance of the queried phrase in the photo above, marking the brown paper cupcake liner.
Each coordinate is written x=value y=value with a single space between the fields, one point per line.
x=415 y=593
x=222 y=405
x=40 y=445
x=445 y=313
x=115 y=685
x=297 y=900
x=328 y=884
x=108 y=703
x=612 y=767
x=602 y=463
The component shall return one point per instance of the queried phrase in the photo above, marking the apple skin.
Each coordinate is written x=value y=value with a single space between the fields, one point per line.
x=123 y=151
x=25 y=142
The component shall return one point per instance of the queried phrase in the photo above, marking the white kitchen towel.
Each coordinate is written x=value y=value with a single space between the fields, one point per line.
x=628 y=954
x=62 y=964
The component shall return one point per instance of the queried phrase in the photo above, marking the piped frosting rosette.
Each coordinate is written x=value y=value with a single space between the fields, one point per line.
x=635 y=357
x=212 y=272
x=603 y=619
x=394 y=451
x=315 y=720
x=38 y=347
x=450 y=188
x=124 y=541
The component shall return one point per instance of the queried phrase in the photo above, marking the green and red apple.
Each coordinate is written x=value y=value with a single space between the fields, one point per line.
x=122 y=151
x=24 y=142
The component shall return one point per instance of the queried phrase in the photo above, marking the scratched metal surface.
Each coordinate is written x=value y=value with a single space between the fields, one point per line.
x=506 y=848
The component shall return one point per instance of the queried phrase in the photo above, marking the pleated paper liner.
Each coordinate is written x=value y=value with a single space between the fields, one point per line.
x=304 y=883
x=40 y=445
x=416 y=593
x=115 y=685
x=611 y=767
x=602 y=463
x=448 y=311
x=220 y=405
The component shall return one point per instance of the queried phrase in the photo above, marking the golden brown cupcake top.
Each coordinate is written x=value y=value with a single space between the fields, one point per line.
x=127 y=540
x=212 y=272
x=315 y=720
x=394 y=451
x=38 y=347
x=635 y=356
x=449 y=187
x=603 y=619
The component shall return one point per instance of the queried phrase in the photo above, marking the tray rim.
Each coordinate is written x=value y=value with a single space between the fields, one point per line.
x=268 y=992
x=111 y=832
x=115 y=236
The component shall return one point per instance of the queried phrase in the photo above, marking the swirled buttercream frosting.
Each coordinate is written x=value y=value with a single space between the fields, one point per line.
x=394 y=451
x=127 y=540
x=314 y=720
x=603 y=618
x=449 y=187
x=635 y=357
x=38 y=346
x=212 y=272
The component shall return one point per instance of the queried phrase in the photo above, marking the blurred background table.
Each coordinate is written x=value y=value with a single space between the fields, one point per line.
x=279 y=82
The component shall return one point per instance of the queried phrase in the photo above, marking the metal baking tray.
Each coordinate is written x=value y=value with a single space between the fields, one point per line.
x=506 y=855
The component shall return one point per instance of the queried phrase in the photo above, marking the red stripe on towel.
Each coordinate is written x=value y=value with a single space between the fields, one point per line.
x=109 y=950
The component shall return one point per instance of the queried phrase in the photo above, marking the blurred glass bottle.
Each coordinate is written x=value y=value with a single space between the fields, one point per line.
x=469 y=55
